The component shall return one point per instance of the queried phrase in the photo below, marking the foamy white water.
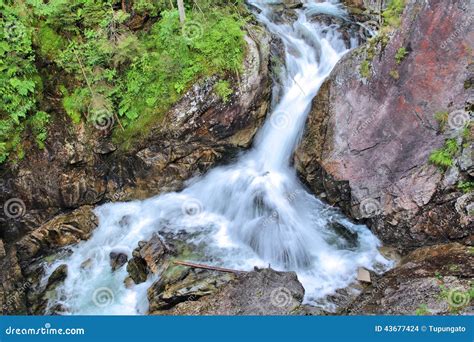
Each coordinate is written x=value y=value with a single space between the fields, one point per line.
x=251 y=213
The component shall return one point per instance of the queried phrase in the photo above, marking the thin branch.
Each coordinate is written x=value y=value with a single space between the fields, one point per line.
x=207 y=267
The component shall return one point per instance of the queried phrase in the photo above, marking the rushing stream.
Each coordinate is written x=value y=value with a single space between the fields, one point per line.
x=251 y=213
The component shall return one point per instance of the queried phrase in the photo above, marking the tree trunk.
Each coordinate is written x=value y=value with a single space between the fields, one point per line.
x=182 y=14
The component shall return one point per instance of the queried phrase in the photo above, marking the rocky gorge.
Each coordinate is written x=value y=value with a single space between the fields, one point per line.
x=365 y=150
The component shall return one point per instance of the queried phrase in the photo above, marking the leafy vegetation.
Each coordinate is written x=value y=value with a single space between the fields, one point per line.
x=19 y=85
x=467 y=135
x=172 y=61
x=456 y=298
x=104 y=62
x=443 y=157
x=422 y=310
x=223 y=90
x=400 y=55
x=442 y=118
x=466 y=187
x=381 y=39
x=393 y=13
x=394 y=74
x=365 y=69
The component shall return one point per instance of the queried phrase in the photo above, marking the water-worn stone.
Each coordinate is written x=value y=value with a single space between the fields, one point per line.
x=117 y=260
x=137 y=270
x=149 y=257
x=183 y=284
x=58 y=276
x=260 y=292
x=61 y=231
x=369 y=137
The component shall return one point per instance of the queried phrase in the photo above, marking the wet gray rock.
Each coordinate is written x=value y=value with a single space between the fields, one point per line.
x=137 y=270
x=149 y=257
x=117 y=260
x=58 y=276
x=466 y=160
x=260 y=292
x=63 y=230
x=180 y=284
x=464 y=207
x=104 y=147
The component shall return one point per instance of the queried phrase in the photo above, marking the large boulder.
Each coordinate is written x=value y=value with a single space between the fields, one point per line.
x=260 y=292
x=430 y=280
x=373 y=126
x=181 y=284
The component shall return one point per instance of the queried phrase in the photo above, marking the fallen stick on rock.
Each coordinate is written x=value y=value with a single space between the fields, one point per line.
x=206 y=267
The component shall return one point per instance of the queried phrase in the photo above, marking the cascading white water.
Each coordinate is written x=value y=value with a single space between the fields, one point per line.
x=252 y=213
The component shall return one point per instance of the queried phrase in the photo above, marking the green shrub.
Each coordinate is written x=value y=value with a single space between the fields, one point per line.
x=174 y=59
x=393 y=13
x=151 y=8
x=107 y=66
x=76 y=104
x=19 y=81
x=365 y=69
x=400 y=55
x=38 y=125
x=50 y=43
x=223 y=90
x=443 y=157
x=466 y=187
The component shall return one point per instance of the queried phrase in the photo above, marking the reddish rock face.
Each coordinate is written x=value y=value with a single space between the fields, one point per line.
x=369 y=138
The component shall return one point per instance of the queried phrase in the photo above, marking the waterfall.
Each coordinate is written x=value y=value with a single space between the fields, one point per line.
x=254 y=212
